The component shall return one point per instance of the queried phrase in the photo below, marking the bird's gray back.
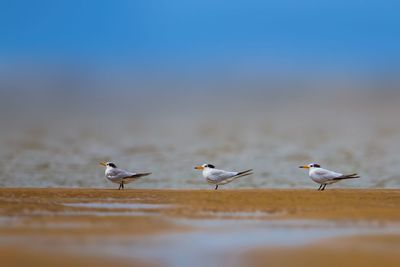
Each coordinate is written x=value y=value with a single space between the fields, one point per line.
x=218 y=176
x=118 y=174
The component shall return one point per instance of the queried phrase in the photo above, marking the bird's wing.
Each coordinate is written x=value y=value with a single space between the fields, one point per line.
x=118 y=174
x=135 y=176
x=220 y=175
x=224 y=177
x=326 y=175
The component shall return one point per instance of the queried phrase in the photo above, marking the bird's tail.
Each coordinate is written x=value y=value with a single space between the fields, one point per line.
x=140 y=174
x=238 y=175
x=347 y=176
x=244 y=173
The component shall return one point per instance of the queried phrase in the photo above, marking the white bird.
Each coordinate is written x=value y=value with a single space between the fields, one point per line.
x=120 y=176
x=220 y=177
x=325 y=177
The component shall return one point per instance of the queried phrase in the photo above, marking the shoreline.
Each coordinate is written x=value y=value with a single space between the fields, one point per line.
x=333 y=204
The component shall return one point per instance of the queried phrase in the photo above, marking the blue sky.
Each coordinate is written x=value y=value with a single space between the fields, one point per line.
x=177 y=32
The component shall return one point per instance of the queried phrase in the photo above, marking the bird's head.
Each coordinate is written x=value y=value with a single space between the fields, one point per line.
x=311 y=165
x=108 y=164
x=204 y=166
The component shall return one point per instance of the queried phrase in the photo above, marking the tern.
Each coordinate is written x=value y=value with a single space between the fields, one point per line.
x=325 y=177
x=220 y=177
x=120 y=176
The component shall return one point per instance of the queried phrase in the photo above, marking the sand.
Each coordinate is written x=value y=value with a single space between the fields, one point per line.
x=42 y=216
x=330 y=204
x=366 y=251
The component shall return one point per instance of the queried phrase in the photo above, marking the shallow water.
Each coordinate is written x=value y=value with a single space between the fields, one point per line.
x=221 y=242
x=104 y=205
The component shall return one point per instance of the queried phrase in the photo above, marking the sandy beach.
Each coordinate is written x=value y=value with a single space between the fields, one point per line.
x=100 y=226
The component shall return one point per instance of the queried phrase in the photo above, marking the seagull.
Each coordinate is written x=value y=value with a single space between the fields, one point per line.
x=325 y=177
x=220 y=177
x=120 y=176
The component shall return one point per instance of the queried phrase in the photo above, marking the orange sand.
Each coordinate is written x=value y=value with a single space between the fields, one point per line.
x=365 y=251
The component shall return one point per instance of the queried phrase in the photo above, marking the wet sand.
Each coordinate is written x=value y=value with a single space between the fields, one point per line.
x=366 y=251
x=374 y=204
x=17 y=257
x=61 y=220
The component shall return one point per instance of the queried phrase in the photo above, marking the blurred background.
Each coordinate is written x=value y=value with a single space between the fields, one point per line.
x=163 y=86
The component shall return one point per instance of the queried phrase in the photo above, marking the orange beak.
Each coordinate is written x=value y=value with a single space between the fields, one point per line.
x=199 y=168
x=103 y=164
x=304 y=167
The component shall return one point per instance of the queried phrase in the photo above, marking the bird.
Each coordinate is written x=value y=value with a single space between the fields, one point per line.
x=220 y=177
x=325 y=177
x=120 y=176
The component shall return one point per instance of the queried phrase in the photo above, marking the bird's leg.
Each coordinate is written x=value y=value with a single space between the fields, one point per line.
x=320 y=187
x=216 y=187
x=122 y=184
x=323 y=188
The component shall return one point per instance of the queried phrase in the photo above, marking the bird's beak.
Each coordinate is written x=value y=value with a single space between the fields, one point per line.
x=304 y=167
x=103 y=164
x=199 y=167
